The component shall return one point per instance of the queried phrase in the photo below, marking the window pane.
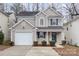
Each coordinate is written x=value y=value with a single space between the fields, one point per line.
x=53 y=21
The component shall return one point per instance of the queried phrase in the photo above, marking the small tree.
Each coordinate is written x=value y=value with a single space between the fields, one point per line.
x=1 y=37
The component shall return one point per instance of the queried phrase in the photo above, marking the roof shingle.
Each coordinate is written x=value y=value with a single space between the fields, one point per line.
x=27 y=13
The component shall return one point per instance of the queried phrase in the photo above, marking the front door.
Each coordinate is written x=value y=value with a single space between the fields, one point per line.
x=54 y=36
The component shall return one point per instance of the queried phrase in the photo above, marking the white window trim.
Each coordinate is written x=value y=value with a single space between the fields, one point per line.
x=40 y=21
x=53 y=18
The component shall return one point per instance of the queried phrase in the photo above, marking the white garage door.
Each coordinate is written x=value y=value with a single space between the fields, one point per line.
x=23 y=39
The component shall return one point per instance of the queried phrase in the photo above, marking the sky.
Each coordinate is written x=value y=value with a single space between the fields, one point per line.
x=8 y=5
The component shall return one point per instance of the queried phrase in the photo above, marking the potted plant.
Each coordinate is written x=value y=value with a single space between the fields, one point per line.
x=52 y=43
x=44 y=43
x=35 y=43
x=12 y=43
x=63 y=42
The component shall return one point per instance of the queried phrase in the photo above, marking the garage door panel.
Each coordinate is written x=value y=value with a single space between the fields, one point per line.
x=23 y=39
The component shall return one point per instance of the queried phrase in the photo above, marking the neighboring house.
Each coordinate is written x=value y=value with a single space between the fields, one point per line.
x=6 y=21
x=71 y=30
x=38 y=26
x=12 y=18
x=4 y=24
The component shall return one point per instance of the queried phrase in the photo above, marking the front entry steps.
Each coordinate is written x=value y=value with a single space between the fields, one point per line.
x=56 y=46
x=59 y=45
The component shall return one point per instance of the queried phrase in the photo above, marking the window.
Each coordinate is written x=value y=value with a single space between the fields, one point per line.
x=56 y=21
x=53 y=21
x=41 y=34
x=41 y=21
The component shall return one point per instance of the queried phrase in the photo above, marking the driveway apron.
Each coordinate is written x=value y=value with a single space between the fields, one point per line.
x=16 y=51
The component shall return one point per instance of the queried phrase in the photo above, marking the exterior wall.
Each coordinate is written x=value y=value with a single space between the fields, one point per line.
x=4 y=25
x=72 y=35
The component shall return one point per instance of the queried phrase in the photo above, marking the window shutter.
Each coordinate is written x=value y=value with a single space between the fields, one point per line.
x=56 y=21
x=37 y=34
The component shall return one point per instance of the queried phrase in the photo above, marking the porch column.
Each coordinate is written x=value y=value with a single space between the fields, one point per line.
x=35 y=35
x=47 y=38
x=62 y=36
x=11 y=35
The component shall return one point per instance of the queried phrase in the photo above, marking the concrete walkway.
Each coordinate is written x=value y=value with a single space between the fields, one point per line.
x=42 y=51
x=29 y=51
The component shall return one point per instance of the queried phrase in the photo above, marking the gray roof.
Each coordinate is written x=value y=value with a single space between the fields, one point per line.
x=8 y=13
x=51 y=27
x=4 y=13
x=27 y=13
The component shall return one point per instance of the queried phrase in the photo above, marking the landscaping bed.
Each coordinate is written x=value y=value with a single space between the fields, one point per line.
x=68 y=50
x=2 y=47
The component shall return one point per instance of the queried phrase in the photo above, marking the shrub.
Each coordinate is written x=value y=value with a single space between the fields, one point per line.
x=35 y=43
x=44 y=43
x=52 y=43
x=63 y=42
x=1 y=37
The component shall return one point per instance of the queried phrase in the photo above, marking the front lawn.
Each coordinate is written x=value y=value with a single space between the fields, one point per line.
x=68 y=51
x=2 y=47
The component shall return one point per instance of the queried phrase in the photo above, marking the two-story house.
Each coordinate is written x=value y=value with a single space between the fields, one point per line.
x=38 y=26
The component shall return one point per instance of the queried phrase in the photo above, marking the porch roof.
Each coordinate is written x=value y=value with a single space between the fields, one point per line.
x=51 y=27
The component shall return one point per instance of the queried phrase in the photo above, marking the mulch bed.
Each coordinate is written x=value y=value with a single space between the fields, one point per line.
x=68 y=51
x=2 y=47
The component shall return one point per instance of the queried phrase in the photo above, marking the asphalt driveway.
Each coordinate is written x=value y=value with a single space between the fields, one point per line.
x=28 y=51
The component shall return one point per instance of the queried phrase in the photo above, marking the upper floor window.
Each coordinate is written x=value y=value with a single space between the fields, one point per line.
x=53 y=21
x=41 y=21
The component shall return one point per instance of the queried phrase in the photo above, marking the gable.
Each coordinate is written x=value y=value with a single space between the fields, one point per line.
x=23 y=24
x=51 y=12
x=41 y=14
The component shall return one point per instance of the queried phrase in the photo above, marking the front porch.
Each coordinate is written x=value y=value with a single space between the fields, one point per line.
x=49 y=36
